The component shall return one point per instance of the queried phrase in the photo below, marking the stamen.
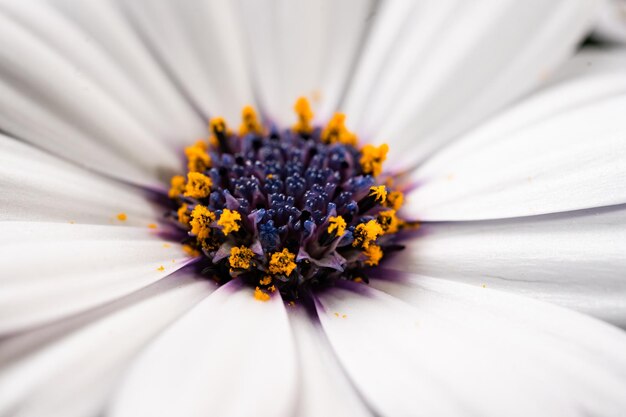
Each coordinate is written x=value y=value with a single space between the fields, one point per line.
x=388 y=221
x=305 y=115
x=229 y=221
x=282 y=263
x=336 y=131
x=395 y=199
x=373 y=158
x=198 y=160
x=177 y=186
x=250 y=123
x=374 y=254
x=183 y=215
x=198 y=185
x=201 y=219
x=240 y=257
x=366 y=233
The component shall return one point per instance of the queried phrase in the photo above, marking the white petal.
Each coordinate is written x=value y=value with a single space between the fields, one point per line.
x=95 y=38
x=302 y=48
x=574 y=259
x=432 y=69
x=324 y=389
x=74 y=116
x=559 y=150
x=457 y=350
x=52 y=270
x=200 y=45
x=74 y=375
x=611 y=25
x=35 y=186
x=231 y=355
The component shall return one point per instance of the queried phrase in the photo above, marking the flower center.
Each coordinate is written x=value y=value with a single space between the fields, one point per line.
x=289 y=211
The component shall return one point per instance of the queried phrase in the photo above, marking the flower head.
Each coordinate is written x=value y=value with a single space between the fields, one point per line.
x=298 y=196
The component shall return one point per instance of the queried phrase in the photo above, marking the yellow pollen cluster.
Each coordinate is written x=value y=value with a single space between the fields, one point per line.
x=183 y=214
x=372 y=158
x=266 y=280
x=229 y=221
x=240 y=257
x=250 y=122
x=177 y=186
x=305 y=116
x=261 y=295
x=217 y=126
x=388 y=221
x=336 y=224
x=366 y=233
x=336 y=131
x=198 y=160
x=374 y=254
x=191 y=251
x=198 y=185
x=395 y=199
x=282 y=262
x=201 y=219
x=379 y=192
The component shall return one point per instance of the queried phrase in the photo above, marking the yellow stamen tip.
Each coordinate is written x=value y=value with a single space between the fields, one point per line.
x=389 y=221
x=374 y=254
x=336 y=131
x=379 y=192
x=249 y=122
x=229 y=221
x=305 y=116
x=261 y=295
x=152 y=226
x=372 y=158
x=337 y=225
x=177 y=186
x=198 y=160
x=240 y=257
x=122 y=217
x=366 y=233
x=395 y=199
x=266 y=280
x=198 y=185
x=201 y=219
x=282 y=262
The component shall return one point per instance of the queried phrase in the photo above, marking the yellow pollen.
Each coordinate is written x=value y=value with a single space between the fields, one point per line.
x=374 y=254
x=366 y=233
x=380 y=193
x=183 y=215
x=240 y=257
x=122 y=217
x=152 y=226
x=198 y=160
x=191 y=251
x=395 y=199
x=372 y=158
x=201 y=219
x=166 y=245
x=249 y=122
x=266 y=280
x=336 y=224
x=177 y=186
x=305 y=115
x=282 y=262
x=336 y=131
x=198 y=185
x=389 y=221
x=358 y=280
x=161 y=268
x=261 y=295
x=229 y=221
x=217 y=126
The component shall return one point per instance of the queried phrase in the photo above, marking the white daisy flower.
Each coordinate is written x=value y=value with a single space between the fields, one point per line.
x=258 y=272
